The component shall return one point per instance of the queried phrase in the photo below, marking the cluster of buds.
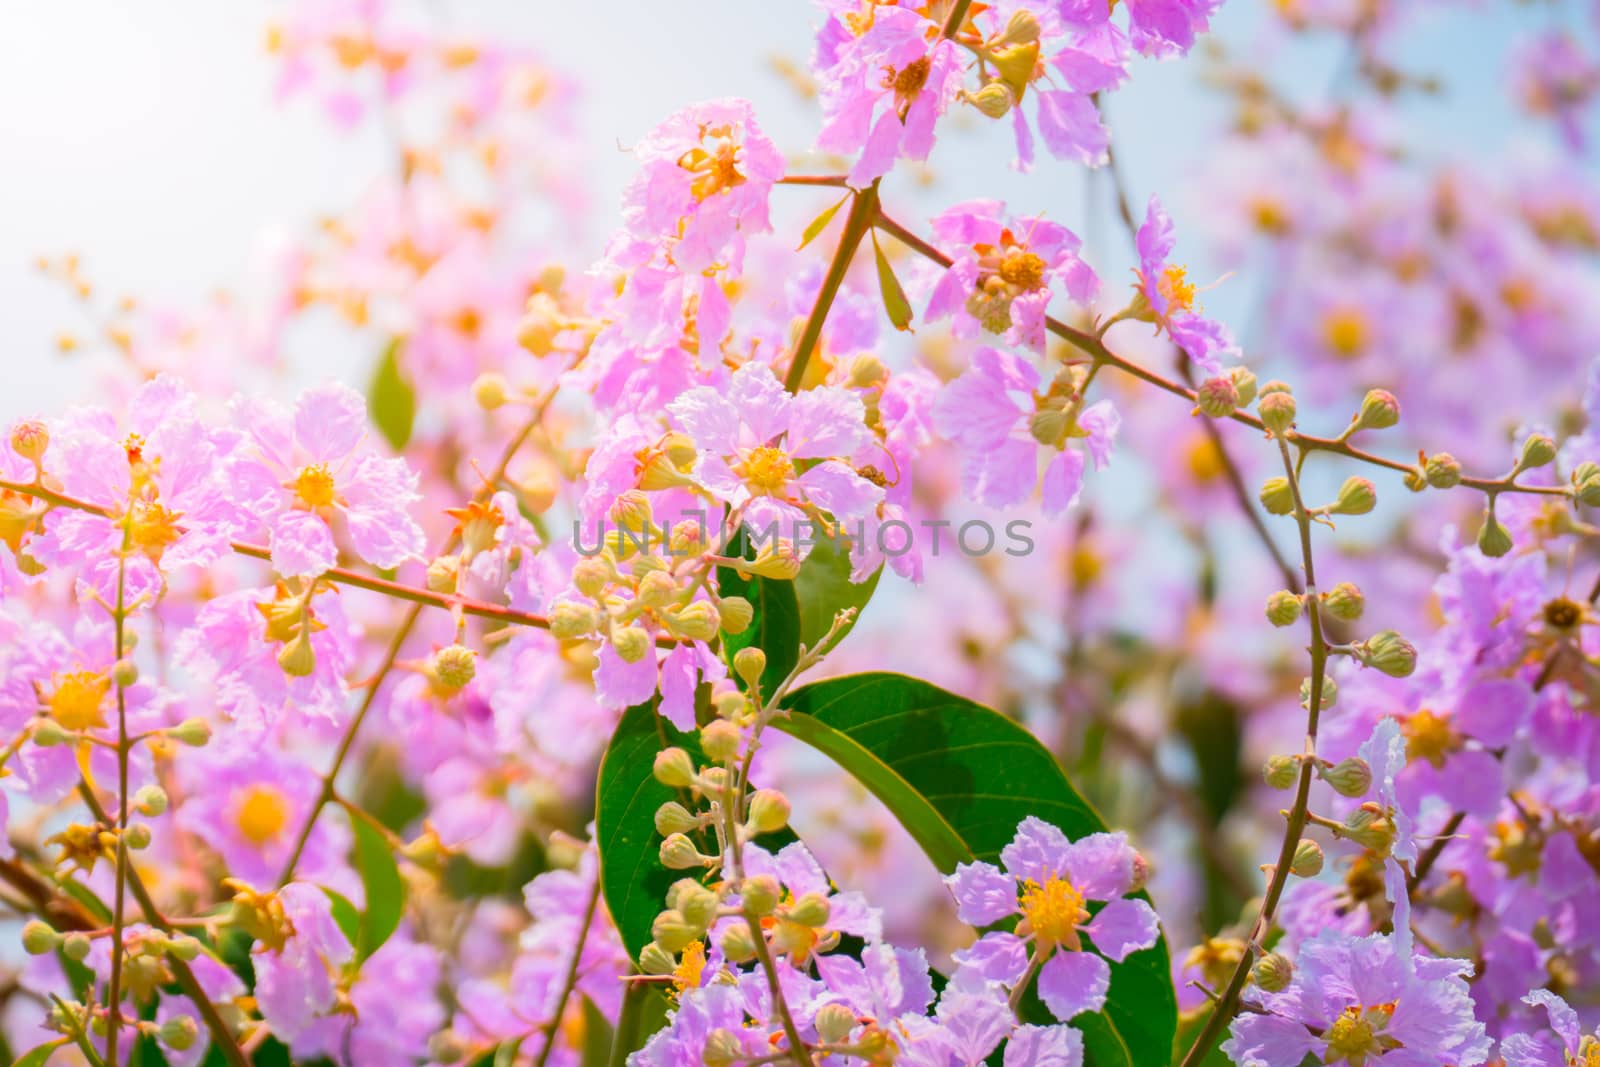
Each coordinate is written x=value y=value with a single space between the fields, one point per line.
x=146 y=968
x=1055 y=416
x=1014 y=55
x=1220 y=397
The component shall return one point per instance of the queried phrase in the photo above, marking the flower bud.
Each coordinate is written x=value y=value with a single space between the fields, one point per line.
x=657 y=589
x=698 y=621
x=631 y=643
x=1389 y=653
x=38 y=938
x=76 y=946
x=183 y=947
x=748 y=663
x=719 y=740
x=673 y=767
x=730 y=704
x=1589 y=488
x=737 y=943
x=150 y=800
x=1537 y=450
x=1277 y=411
x=178 y=1033
x=1277 y=496
x=655 y=960
x=297 y=658
x=1369 y=829
x=454 y=666
x=699 y=906
x=769 y=811
x=760 y=895
x=776 y=561
x=679 y=854
x=444 y=572
x=1493 y=539
x=541 y=322
x=1244 y=383
x=1379 y=411
x=196 y=733
x=1442 y=471
x=671 y=932
x=1281 y=771
x=137 y=836
x=673 y=818
x=124 y=672
x=1350 y=777
x=29 y=439
x=1356 y=497
x=1307 y=862
x=570 y=619
x=994 y=99
x=1021 y=28
x=834 y=1023
x=1344 y=601
x=1273 y=972
x=866 y=371
x=1217 y=398
x=632 y=512
x=812 y=909
x=722 y=1049
x=591 y=576
x=490 y=391
x=1283 y=608
x=48 y=732
x=736 y=614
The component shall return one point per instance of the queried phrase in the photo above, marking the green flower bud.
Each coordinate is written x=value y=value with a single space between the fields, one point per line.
x=699 y=907
x=178 y=1033
x=1273 y=972
x=722 y=1049
x=38 y=938
x=698 y=621
x=1021 y=28
x=1344 y=601
x=124 y=672
x=1281 y=771
x=1277 y=411
x=1217 y=398
x=811 y=910
x=760 y=895
x=1442 y=471
x=195 y=733
x=655 y=960
x=1493 y=539
x=673 y=767
x=1244 y=383
x=674 y=818
x=748 y=663
x=736 y=614
x=76 y=946
x=1369 y=829
x=454 y=666
x=769 y=811
x=657 y=589
x=679 y=854
x=150 y=800
x=490 y=391
x=443 y=574
x=730 y=704
x=720 y=740
x=1379 y=411
x=1356 y=497
x=137 y=836
x=1350 y=777
x=29 y=439
x=183 y=947
x=631 y=512
x=994 y=99
x=1277 y=496
x=1589 y=491
x=1283 y=608
x=591 y=576
x=1537 y=450
x=834 y=1023
x=672 y=932
x=631 y=643
x=1330 y=693
x=570 y=620
x=1307 y=862
x=1389 y=653
x=49 y=733
x=297 y=658
x=737 y=943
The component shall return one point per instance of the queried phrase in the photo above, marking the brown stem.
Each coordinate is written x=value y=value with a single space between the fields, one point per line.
x=856 y=226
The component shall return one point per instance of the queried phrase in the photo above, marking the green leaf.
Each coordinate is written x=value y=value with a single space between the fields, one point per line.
x=894 y=297
x=644 y=1011
x=820 y=223
x=385 y=891
x=823 y=587
x=597 y=1036
x=960 y=777
x=391 y=399
x=775 y=627
x=38 y=1057
x=345 y=915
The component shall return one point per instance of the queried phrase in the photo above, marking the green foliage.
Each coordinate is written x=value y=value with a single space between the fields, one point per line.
x=391 y=399
x=385 y=891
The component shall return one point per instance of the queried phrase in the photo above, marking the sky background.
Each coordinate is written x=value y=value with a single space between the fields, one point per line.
x=145 y=137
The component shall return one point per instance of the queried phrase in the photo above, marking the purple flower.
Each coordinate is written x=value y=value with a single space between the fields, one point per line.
x=1576 y=1047
x=1362 y=1000
x=994 y=413
x=1049 y=881
x=295 y=980
x=311 y=476
x=1166 y=289
x=1000 y=279
x=1166 y=28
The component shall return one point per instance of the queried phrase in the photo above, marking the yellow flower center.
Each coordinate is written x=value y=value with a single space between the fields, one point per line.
x=1176 y=288
x=1085 y=565
x=1022 y=269
x=1356 y=1035
x=1588 y=1052
x=715 y=169
x=767 y=469
x=687 y=974
x=152 y=527
x=314 y=485
x=1205 y=462
x=1345 y=331
x=1429 y=736
x=79 y=698
x=1053 y=911
x=263 y=813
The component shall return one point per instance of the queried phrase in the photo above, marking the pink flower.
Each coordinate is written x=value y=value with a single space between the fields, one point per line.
x=1165 y=287
x=312 y=477
x=1167 y=28
x=1002 y=272
x=885 y=82
x=995 y=415
x=295 y=980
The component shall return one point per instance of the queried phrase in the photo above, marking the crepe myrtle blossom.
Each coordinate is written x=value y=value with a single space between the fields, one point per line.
x=393 y=1011
x=311 y=475
x=995 y=413
x=1362 y=1000
x=159 y=476
x=753 y=437
x=1553 y=77
x=1566 y=1045
x=885 y=77
x=1049 y=881
x=298 y=957
x=704 y=179
x=799 y=875
x=1003 y=271
x=1165 y=296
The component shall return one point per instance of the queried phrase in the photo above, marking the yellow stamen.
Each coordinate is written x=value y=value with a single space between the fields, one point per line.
x=314 y=486
x=1429 y=736
x=715 y=169
x=1053 y=911
x=1345 y=331
x=262 y=815
x=78 y=702
x=767 y=469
